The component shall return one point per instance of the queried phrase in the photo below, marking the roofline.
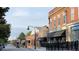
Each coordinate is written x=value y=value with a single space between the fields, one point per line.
x=51 y=12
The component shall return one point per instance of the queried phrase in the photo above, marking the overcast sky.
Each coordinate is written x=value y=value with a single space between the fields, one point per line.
x=21 y=17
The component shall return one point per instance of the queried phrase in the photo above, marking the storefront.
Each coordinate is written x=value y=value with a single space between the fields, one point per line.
x=56 y=40
x=43 y=41
x=57 y=36
x=75 y=32
x=29 y=41
x=75 y=36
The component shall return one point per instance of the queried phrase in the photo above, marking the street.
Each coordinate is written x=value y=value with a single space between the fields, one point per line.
x=10 y=47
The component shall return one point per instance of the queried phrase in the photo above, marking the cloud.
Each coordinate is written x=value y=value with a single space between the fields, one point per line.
x=22 y=17
x=20 y=12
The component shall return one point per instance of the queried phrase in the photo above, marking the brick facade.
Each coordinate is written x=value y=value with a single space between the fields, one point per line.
x=58 y=13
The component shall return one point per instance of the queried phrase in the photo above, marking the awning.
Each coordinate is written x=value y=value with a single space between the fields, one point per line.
x=42 y=38
x=75 y=27
x=57 y=34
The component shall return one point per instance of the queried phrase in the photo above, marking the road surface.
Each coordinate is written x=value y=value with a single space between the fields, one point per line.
x=10 y=47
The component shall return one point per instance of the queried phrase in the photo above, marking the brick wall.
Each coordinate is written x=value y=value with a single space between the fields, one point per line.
x=68 y=16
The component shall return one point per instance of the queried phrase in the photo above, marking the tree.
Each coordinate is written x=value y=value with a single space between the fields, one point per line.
x=2 y=14
x=29 y=33
x=21 y=36
x=4 y=27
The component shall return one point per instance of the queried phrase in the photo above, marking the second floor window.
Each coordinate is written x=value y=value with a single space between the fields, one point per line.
x=64 y=17
x=58 y=19
x=78 y=12
x=72 y=13
x=54 y=23
x=50 y=24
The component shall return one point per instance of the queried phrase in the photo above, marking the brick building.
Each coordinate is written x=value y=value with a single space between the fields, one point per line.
x=64 y=20
x=42 y=35
x=30 y=41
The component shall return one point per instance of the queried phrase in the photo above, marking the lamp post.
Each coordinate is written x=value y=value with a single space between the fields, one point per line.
x=35 y=35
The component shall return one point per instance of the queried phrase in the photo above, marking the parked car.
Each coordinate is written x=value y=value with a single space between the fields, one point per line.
x=1 y=47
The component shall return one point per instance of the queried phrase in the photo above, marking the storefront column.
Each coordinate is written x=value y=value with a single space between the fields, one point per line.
x=68 y=37
x=68 y=34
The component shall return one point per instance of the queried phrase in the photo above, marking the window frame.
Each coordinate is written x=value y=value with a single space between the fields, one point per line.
x=50 y=25
x=54 y=23
x=58 y=20
x=78 y=12
x=64 y=17
x=72 y=13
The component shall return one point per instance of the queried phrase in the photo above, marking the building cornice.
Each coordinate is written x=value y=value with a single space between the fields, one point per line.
x=54 y=11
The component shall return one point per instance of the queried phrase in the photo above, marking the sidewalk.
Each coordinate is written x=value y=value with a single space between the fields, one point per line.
x=39 y=49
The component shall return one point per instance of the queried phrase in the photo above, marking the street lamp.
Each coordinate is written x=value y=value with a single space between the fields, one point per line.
x=35 y=35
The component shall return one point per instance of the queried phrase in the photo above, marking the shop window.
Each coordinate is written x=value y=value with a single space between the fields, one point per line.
x=75 y=33
x=72 y=13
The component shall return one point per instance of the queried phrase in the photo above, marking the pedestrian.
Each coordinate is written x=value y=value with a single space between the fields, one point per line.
x=67 y=45
x=24 y=44
x=76 y=45
x=17 y=44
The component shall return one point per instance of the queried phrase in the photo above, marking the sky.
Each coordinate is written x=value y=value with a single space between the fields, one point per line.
x=21 y=17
